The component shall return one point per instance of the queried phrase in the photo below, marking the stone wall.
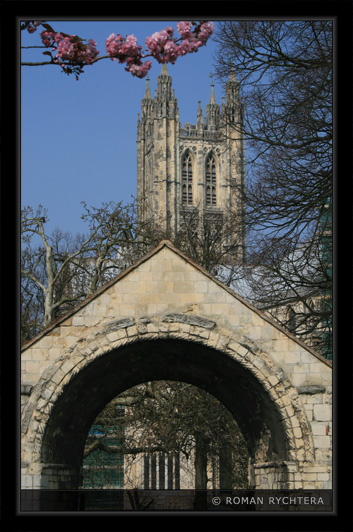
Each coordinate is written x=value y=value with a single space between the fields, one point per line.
x=167 y=296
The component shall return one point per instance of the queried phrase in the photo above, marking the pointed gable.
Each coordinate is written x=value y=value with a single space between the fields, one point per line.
x=166 y=282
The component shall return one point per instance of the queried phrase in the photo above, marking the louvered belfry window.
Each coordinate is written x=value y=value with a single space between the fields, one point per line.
x=187 y=179
x=211 y=181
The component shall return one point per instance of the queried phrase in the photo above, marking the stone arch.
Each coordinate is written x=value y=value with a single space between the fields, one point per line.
x=75 y=388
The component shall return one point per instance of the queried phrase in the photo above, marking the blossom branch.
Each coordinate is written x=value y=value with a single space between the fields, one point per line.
x=72 y=54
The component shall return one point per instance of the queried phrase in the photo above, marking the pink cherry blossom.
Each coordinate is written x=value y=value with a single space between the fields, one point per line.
x=74 y=50
x=32 y=27
x=58 y=37
x=65 y=49
x=46 y=38
x=120 y=48
x=130 y=47
x=140 y=71
x=184 y=29
x=172 y=52
x=129 y=52
x=164 y=48
x=153 y=43
x=113 y=44
x=185 y=47
x=91 y=51
x=207 y=28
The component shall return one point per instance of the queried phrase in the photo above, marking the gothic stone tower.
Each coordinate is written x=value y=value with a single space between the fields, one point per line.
x=198 y=168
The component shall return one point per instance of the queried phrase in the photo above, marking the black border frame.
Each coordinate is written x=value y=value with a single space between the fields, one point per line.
x=341 y=12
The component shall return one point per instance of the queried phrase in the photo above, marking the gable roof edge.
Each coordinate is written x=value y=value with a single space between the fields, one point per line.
x=93 y=296
x=168 y=244
x=251 y=307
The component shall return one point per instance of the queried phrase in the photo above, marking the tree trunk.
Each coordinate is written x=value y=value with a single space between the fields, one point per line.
x=225 y=469
x=200 y=502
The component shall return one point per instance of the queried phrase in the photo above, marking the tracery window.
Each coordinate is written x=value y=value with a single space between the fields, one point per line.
x=187 y=196
x=211 y=181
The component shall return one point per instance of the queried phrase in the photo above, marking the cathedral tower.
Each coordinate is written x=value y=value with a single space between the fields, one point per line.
x=195 y=169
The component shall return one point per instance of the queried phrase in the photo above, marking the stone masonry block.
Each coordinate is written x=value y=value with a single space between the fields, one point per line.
x=322 y=442
x=32 y=367
x=78 y=321
x=46 y=342
x=273 y=380
x=322 y=412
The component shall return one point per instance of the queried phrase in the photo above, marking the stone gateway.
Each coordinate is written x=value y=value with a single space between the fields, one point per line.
x=167 y=318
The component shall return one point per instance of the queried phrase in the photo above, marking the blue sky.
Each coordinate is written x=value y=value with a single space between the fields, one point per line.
x=78 y=138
